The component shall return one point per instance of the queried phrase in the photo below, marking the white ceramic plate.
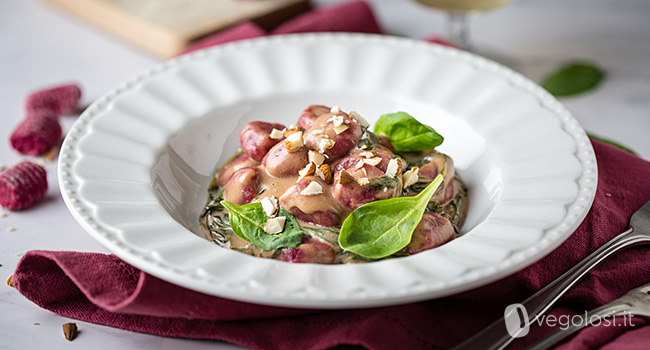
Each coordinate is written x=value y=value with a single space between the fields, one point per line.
x=135 y=167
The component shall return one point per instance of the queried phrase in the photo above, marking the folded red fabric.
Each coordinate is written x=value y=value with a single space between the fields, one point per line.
x=119 y=295
x=246 y=30
x=352 y=16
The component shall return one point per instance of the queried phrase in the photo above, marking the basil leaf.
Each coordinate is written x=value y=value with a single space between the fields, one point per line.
x=406 y=133
x=248 y=223
x=573 y=78
x=379 y=229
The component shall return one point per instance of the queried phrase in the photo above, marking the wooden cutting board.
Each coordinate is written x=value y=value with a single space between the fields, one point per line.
x=166 y=27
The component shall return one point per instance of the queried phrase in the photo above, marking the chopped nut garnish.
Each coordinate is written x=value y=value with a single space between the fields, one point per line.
x=341 y=128
x=3 y=214
x=292 y=130
x=270 y=206
x=325 y=144
x=410 y=177
x=359 y=164
x=373 y=161
x=346 y=178
x=70 y=331
x=312 y=189
x=316 y=157
x=356 y=116
x=337 y=120
x=277 y=134
x=367 y=154
x=325 y=173
x=294 y=141
x=363 y=181
x=275 y=225
x=10 y=281
x=335 y=109
x=394 y=167
x=317 y=131
x=51 y=154
x=11 y=229
x=309 y=169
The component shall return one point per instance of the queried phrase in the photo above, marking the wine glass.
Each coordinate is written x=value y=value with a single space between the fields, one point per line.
x=458 y=10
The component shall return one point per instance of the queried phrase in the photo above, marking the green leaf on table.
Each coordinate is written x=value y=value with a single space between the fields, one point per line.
x=613 y=143
x=381 y=228
x=248 y=223
x=573 y=78
x=406 y=134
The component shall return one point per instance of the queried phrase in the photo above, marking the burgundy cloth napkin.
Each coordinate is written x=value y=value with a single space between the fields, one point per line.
x=116 y=294
x=352 y=16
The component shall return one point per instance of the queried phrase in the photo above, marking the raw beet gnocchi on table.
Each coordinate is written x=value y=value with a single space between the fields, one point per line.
x=328 y=190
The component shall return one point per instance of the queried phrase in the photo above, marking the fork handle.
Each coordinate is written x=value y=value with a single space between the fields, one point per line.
x=612 y=309
x=496 y=335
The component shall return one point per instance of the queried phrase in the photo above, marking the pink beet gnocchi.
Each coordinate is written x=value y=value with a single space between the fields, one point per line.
x=63 y=99
x=255 y=139
x=22 y=185
x=37 y=133
x=333 y=168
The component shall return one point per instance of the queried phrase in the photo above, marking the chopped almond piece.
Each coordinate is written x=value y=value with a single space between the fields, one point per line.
x=373 y=161
x=309 y=169
x=275 y=225
x=270 y=206
x=346 y=178
x=316 y=157
x=70 y=331
x=410 y=177
x=277 y=134
x=312 y=189
x=335 y=109
x=337 y=120
x=394 y=167
x=325 y=173
x=356 y=116
x=367 y=154
x=363 y=181
x=292 y=130
x=341 y=128
x=325 y=144
x=294 y=141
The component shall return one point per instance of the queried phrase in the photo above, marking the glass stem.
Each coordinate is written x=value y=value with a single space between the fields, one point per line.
x=458 y=30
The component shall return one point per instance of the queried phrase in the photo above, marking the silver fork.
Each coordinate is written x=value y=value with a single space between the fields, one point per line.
x=496 y=335
x=635 y=302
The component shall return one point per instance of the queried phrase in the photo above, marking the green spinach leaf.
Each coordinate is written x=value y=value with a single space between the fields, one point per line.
x=407 y=134
x=379 y=229
x=573 y=78
x=248 y=223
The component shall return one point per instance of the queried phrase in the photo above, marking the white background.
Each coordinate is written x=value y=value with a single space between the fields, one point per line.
x=42 y=46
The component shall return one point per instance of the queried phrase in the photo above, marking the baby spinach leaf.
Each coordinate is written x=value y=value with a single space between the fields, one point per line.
x=406 y=133
x=573 y=78
x=379 y=229
x=248 y=223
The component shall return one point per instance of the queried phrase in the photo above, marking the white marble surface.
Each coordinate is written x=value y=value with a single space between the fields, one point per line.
x=40 y=46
